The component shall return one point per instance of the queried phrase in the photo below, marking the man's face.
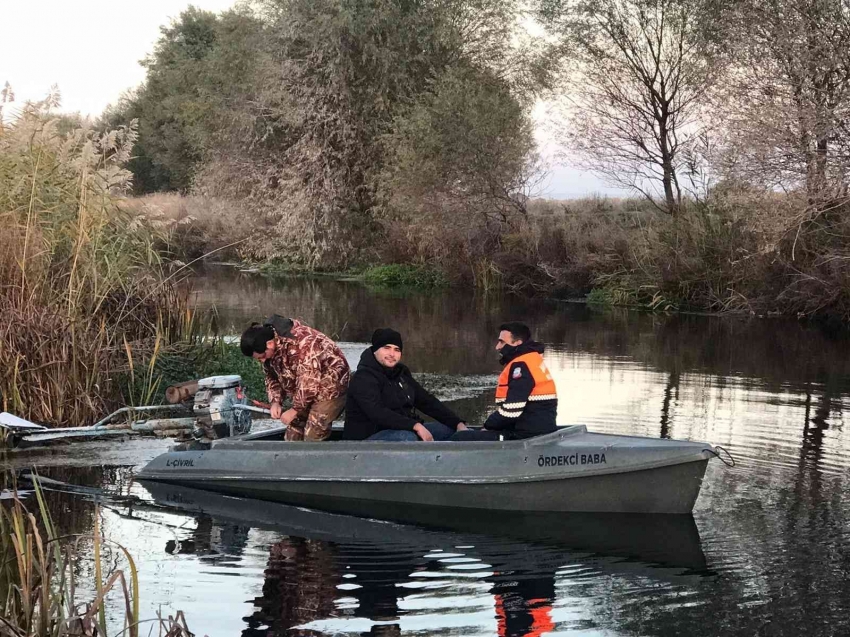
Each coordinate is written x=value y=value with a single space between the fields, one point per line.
x=270 y=347
x=388 y=355
x=506 y=338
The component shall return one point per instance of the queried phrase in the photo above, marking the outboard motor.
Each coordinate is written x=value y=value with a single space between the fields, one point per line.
x=214 y=411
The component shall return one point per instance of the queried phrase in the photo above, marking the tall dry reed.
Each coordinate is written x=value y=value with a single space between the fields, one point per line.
x=81 y=285
x=41 y=590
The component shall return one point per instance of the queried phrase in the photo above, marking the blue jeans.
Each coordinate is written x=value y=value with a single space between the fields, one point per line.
x=438 y=430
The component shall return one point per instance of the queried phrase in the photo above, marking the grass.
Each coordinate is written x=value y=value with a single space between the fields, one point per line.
x=277 y=268
x=740 y=249
x=606 y=296
x=400 y=275
x=647 y=298
x=41 y=576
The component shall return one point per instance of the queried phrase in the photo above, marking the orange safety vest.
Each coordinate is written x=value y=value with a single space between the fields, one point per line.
x=541 y=615
x=539 y=611
x=544 y=386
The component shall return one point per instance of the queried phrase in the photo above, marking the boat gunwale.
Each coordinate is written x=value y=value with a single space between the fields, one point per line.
x=346 y=446
x=218 y=477
x=257 y=437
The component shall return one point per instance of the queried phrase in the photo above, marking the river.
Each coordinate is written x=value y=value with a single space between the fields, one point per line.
x=767 y=551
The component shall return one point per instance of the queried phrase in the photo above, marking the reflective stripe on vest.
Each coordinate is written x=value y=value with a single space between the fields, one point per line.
x=544 y=386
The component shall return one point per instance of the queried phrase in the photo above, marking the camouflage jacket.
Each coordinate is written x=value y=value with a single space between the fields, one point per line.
x=308 y=366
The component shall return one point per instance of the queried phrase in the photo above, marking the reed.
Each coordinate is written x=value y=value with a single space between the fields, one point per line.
x=40 y=580
x=86 y=299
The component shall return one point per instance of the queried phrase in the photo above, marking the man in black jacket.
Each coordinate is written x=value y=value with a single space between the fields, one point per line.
x=383 y=398
x=526 y=396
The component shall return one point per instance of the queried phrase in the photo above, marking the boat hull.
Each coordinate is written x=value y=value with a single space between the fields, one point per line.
x=610 y=474
x=671 y=489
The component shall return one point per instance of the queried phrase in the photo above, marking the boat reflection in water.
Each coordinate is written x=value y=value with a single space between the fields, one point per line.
x=328 y=573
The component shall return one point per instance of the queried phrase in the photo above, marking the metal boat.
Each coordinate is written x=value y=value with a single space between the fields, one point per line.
x=569 y=470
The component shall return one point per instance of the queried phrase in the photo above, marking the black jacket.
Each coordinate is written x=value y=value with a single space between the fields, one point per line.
x=380 y=398
x=518 y=416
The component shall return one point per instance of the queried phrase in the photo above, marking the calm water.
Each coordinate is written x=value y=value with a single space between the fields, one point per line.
x=767 y=551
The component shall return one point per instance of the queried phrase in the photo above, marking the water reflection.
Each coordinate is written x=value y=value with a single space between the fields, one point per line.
x=525 y=607
x=461 y=325
x=299 y=587
x=329 y=573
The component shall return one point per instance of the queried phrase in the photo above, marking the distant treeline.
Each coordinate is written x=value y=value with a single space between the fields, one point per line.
x=350 y=132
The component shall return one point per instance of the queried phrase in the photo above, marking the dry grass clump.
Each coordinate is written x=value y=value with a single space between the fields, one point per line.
x=625 y=251
x=813 y=261
x=740 y=249
x=570 y=243
x=82 y=288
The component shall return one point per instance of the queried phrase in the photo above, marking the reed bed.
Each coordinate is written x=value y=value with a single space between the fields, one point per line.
x=40 y=580
x=88 y=304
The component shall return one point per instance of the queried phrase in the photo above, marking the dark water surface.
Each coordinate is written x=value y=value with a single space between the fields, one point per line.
x=767 y=551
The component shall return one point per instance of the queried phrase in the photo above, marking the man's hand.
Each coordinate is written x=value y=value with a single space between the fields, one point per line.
x=419 y=430
x=461 y=426
x=276 y=410
x=288 y=416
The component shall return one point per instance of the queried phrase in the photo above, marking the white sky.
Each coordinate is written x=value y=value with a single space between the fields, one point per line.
x=91 y=49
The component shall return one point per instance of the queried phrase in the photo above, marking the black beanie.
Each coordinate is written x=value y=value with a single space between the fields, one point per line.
x=385 y=336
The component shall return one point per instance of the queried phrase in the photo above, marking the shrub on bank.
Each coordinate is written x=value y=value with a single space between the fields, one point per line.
x=209 y=358
x=627 y=252
x=741 y=250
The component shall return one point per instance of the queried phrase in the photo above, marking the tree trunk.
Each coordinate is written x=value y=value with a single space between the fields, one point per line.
x=816 y=162
x=821 y=156
x=668 y=172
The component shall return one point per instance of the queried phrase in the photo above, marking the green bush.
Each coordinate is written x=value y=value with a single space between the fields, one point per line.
x=398 y=275
x=209 y=358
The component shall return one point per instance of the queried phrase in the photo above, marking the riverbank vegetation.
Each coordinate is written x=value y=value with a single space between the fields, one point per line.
x=405 y=276
x=60 y=585
x=331 y=134
x=86 y=300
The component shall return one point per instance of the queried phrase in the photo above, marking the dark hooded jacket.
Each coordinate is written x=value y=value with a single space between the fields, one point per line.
x=517 y=416
x=381 y=398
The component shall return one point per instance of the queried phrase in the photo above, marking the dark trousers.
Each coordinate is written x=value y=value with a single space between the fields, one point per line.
x=482 y=434
x=438 y=430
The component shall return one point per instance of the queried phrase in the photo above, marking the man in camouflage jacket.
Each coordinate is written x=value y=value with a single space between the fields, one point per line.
x=307 y=366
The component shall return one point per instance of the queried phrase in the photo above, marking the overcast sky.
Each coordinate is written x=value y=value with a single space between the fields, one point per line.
x=91 y=50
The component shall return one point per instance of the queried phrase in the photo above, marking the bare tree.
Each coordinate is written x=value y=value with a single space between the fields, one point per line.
x=787 y=103
x=637 y=73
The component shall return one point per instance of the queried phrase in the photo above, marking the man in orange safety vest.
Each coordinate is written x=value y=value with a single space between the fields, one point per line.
x=526 y=397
